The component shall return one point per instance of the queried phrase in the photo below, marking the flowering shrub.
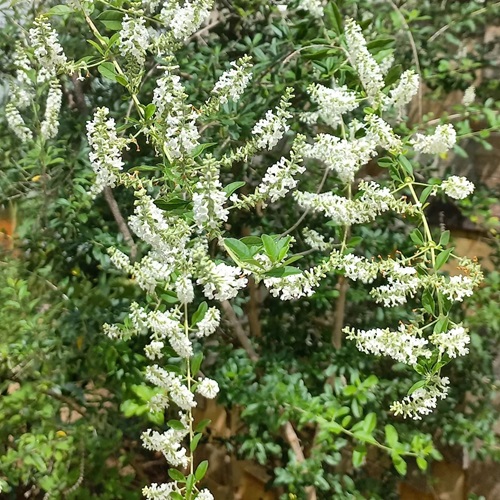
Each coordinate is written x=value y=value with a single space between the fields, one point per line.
x=184 y=206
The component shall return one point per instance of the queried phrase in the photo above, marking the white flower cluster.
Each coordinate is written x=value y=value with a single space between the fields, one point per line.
x=404 y=91
x=184 y=20
x=368 y=70
x=184 y=289
x=48 y=51
x=423 y=400
x=209 y=323
x=161 y=491
x=374 y=201
x=380 y=133
x=316 y=240
x=50 y=124
x=134 y=39
x=314 y=7
x=209 y=198
x=208 y=388
x=16 y=123
x=222 y=282
x=402 y=281
x=175 y=129
x=168 y=443
x=21 y=90
x=452 y=342
x=457 y=187
x=469 y=96
x=165 y=325
x=443 y=139
x=173 y=385
x=403 y=345
x=295 y=286
x=105 y=156
x=332 y=103
x=233 y=82
x=270 y=130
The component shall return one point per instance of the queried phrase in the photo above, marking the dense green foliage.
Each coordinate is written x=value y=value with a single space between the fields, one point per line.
x=73 y=402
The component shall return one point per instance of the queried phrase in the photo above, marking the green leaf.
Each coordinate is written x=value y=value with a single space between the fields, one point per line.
x=422 y=463
x=149 y=111
x=391 y=435
x=405 y=163
x=237 y=249
x=176 y=425
x=60 y=10
x=380 y=44
x=176 y=476
x=282 y=272
x=417 y=237
x=176 y=496
x=393 y=74
x=169 y=204
x=122 y=80
x=251 y=240
x=441 y=325
x=201 y=470
x=428 y=302
x=231 y=188
x=425 y=194
x=112 y=19
x=399 y=464
x=196 y=361
x=445 y=238
x=442 y=258
x=364 y=436
x=370 y=422
x=358 y=456
x=107 y=70
x=200 y=427
x=200 y=148
x=194 y=443
x=415 y=386
x=332 y=18
x=199 y=313
x=270 y=247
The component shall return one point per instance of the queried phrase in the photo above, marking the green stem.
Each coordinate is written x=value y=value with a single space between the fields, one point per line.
x=427 y=229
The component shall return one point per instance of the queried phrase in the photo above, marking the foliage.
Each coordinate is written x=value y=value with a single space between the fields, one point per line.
x=335 y=399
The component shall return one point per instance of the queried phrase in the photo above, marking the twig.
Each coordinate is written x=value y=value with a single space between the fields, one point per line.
x=288 y=430
x=238 y=330
x=122 y=225
x=415 y=56
x=339 y=313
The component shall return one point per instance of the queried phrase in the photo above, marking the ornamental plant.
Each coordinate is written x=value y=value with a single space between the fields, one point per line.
x=187 y=201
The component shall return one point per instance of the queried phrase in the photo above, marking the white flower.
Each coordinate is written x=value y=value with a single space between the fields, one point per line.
x=119 y=259
x=167 y=443
x=48 y=51
x=153 y=350
x=401 y=282
x=184 y=289
x=403 y=93
x=423 y=400
x=208 y=388
x=222 y=282
x=270 y=130
x=452 y=342
x=315 y=7
x=457 y=187
x=172 y=383
x=165 y=325
x=184 y=20
x=209 y=323
x=160 y=491
x=332 y=103
x=343 y=156
x=402 y=345
x=381 y=133
x=105 y=156
x=16 y=123
x=134 y=39
x=232 y=83
x=367 y=68
x=113 y=332
x=205 y=495
x=441 y=141
x=469 y=96
x=315 y=240
x=457 y=288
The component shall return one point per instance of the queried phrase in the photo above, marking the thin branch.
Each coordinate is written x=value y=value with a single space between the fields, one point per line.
x=122 y=225
x=338 y=324
x=238 y=330
x=415 y=55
